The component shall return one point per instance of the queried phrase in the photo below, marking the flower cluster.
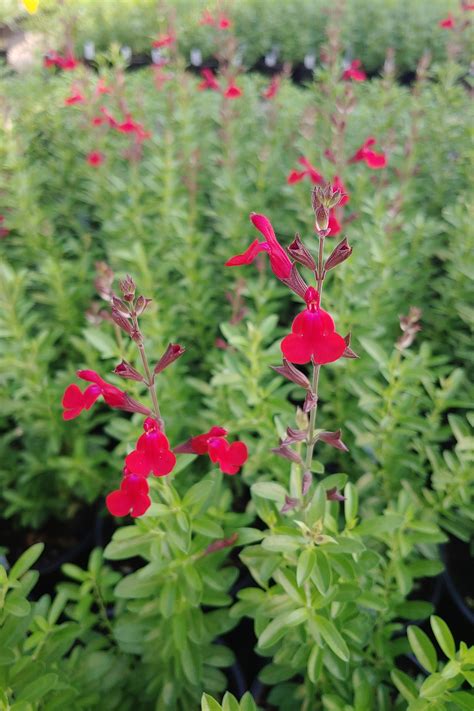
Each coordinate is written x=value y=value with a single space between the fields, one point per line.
x=152 y=453
x=209 y=81
x=67 y=62
x=221 y=22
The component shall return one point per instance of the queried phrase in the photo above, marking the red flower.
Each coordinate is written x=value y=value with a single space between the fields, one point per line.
x=230 y=457
x=337 y=184
x=153 y=453
x=112 y=395
x=371 y=158
x=207 y=18
x=232 y=91
x=448 y=23
x=209 y=81
x=224 y=22
x=200 y=443
x=108 y=117
x=160 y=76
x=280 y=262
x=98 y=121
x=164 y=41
x=313 y=336
x=354 y=72
x=272 y=89
x=75 y=401
x=334 y=226
x=75 y=98
x=67 y=63
x=132 y=497
x=4 y=231
x=102 y=87
x=95 y=158
x=296 y=175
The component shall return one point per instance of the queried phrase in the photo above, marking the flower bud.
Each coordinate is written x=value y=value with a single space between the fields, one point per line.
x=141 y=305
x=334 y=495
x=333 y=439
x=321 y=214
x=122 y=322
x=172 y=353
x=310 y=401
x=289 y=372
x=120 y=307
x=125 y=370
x=127 y=287
x=300 y=254
x=339 y=254
x=307 y=481
x=294 y=436
x=287 y=453
x=289 y=504
x=324 y=198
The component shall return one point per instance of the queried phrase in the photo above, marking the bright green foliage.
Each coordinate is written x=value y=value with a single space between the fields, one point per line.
x=229 y=703
x=442 y=688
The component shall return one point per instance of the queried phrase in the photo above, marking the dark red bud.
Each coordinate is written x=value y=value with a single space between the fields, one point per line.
x=334 y=495
x=339 y=254
x=289 y=504
x=125 y=370
x=122 y=322
x=222 y=543
x=287 y=453
x=184 y=448
x=120 y=307
x=349 y=353
x=141 y=305
x=127 y=287
x=333 y=439
x=294 y=436
x=172 y=353
x=289 y=372
x=300 y=254
x=310 y=401
x=296 y=282
x=307 y=481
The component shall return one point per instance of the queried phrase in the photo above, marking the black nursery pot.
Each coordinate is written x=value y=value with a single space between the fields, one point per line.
x=458 y=580
x=68 y=541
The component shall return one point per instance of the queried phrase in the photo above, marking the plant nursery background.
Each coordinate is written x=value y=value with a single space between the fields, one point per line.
x=136 y=138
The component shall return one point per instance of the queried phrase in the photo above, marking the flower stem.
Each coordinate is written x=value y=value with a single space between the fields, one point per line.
x=149 y=379
x=312 y=418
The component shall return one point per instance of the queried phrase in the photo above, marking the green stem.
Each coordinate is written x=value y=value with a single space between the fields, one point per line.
x=310 y=442
x=149 y=379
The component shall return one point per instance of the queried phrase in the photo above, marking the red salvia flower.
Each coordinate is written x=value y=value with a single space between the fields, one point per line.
x=313 y=337
x=200 y=443
x=95 y=158
x=337 y=184
x=272 y=89
x=113 y=396
x=4 y=231
x=153 y=453
x=354 y=71
x=98 y=121
x=102 y=87
x=230 y=457
x=132 y=497
x=334 y=225
x=309 y=171
x=224 y=23
x=232 y=91
x=108 y=117
x=74 y=98
x=67 y=63
x=209 y=81
x=164 y=41
x=448 y=23
x=75 y=401
x=280 y=262
x=371 y=158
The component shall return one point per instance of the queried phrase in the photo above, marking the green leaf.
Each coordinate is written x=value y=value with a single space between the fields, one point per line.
x=269 y=490
x=405 y=685
x=332 y=637
x=38 y=688
x=16 y=605
x=317 y=507
x=414 y=609
x=351 y=504
x=7 y=656
x=230 y=703
x=321 y=574
x=207 y=527
x=443 y=636
x=26 y=561
x=306 y=563
x=277 y=628
x=281 y=544
x=209 y=704
x=379 y=525
x=422 y=648
x=247 y=703
x=315 y=664
x=463 y=699
x=74 y=572
x=199 y=497
x=435 y=685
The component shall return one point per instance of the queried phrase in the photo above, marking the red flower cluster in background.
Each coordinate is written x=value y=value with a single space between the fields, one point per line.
x=165 y=40
x=272 y=89
x=66 y=63
x=354 y=71
x=222 y=22
x=209 y=81
x=368 y=156
x=4 y=231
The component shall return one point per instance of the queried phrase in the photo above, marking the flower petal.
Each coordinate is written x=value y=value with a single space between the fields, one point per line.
x=118 y=503
x=248 y=256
